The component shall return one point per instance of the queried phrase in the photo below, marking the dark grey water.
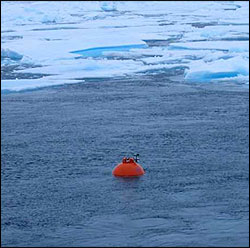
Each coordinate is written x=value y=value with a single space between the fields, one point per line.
x=59 y=146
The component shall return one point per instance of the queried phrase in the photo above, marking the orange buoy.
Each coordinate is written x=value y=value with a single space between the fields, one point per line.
x=128 y=168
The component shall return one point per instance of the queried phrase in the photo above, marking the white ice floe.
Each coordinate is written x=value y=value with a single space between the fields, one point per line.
x=209 y=39
x=230 y=46
x=24 y=84
x=223 y=68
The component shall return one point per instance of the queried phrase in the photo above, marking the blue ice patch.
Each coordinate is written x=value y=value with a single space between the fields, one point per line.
x=98 y=51
x=203 y=76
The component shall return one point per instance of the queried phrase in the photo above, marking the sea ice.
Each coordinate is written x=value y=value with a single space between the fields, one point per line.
x=209 y=39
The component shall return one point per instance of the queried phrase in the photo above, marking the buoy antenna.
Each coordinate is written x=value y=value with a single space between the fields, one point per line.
x=136 y=157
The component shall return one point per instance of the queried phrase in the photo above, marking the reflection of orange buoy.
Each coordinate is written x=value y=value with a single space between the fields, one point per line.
x=128 y=168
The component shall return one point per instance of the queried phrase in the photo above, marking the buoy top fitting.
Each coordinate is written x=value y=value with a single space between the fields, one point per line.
x=128 y=168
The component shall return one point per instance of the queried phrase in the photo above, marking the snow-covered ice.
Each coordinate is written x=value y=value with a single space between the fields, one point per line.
x=73 y=40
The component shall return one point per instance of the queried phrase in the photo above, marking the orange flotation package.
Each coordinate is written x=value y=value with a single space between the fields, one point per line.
x=128 y=168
